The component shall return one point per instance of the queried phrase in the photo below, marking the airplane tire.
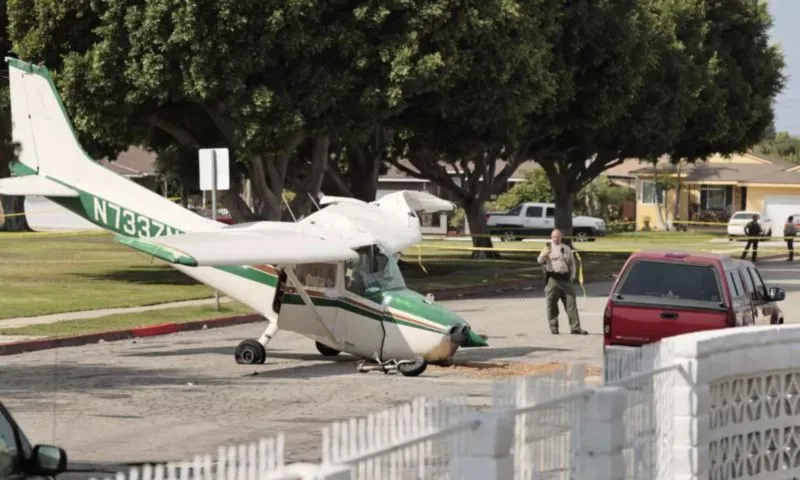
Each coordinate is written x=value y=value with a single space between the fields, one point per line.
x=250 y=352
x=326 y=350
x=414 y=368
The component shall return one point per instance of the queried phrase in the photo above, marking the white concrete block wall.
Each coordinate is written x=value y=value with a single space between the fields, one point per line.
x=601 y=436
x=710 y=357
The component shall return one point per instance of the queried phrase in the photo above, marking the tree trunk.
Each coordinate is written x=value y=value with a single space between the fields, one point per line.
x=564 y=200
x=476 y=220
x=310 y=188
x=269 y=202
x=13 y=206
x=364 y=181
x=233 y=201
x=677 y=210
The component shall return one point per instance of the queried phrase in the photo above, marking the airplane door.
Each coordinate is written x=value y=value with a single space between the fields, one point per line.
x=319 y=280
x=361 y=316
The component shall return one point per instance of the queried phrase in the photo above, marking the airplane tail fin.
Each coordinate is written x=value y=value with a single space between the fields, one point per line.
x=52 y=163
x=35 y=108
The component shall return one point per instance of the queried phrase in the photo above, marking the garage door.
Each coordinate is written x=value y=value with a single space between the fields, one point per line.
x=778 y=209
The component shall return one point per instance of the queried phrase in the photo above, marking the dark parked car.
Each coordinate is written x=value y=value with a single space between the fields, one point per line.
x=18 y=460
x=662 y=294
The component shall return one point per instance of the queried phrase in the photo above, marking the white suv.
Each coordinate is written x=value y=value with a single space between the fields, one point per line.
x=740 y=219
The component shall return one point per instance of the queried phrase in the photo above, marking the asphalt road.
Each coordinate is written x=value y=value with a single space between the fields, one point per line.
x=169 y=398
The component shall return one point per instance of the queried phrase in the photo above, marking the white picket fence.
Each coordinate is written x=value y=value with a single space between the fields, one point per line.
x=548 y=426
x=255 y=461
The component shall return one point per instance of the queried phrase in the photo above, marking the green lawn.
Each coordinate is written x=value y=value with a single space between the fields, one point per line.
x=48 y=273
x=63 y=273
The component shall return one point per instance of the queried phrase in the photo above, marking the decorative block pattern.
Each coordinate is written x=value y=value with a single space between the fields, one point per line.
x=755 y=426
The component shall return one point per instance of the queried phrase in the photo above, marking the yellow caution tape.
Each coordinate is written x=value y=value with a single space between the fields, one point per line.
x=419 y=258
x=580 y=275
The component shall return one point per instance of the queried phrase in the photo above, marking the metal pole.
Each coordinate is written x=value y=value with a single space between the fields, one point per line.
x=214 y=208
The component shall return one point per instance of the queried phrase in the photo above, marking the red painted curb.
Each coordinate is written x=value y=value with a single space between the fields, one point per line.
x=155 y=330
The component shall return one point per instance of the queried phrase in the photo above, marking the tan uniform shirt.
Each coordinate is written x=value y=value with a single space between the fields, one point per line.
x=559 y=262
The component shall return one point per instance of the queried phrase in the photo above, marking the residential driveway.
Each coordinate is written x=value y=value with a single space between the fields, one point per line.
x=169 y=398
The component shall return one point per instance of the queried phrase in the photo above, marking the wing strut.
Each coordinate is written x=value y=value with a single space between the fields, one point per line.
x=308 y=302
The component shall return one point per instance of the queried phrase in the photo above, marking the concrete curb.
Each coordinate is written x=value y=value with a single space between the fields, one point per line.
x=169 y=328
x=126 y=334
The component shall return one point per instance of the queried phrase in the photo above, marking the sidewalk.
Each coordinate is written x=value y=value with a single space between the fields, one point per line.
x=86 y=314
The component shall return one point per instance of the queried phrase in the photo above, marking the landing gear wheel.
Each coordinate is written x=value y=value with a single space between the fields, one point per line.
x=361 y=366
x=412 y=368
x=250 y=352
x=326 y=350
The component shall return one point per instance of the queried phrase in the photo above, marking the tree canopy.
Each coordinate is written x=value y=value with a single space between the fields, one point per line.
x=317 y=96
x=684 y=79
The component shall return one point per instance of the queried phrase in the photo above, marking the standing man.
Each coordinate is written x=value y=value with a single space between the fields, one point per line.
x=559 y=264
x=789 y=231
x=751 y=230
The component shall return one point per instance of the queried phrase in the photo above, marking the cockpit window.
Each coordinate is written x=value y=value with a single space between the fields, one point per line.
x=316 y=274
x=375 y=270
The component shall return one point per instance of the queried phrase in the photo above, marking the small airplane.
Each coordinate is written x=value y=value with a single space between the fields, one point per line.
x=332 y=276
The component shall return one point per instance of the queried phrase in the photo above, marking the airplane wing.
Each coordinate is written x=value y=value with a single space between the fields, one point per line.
x=391 y=220
x=34 y=185
x=274 y=243
x=415 y=201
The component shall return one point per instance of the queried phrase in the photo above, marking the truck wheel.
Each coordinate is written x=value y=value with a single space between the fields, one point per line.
x=581 y=236
x=508 y=237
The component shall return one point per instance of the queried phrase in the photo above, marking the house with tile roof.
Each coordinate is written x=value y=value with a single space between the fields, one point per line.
x=711 y=190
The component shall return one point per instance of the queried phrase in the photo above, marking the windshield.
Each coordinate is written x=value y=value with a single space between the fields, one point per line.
x=743 y=216
x=375 y=270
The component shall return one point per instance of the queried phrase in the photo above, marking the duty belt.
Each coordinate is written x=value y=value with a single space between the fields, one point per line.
x=557 y=275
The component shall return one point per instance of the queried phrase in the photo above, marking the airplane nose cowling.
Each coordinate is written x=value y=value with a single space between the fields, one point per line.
x=463 y=336
x=459 y=334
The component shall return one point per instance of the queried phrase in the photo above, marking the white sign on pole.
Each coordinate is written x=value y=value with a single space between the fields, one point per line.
x=209 y=159
x=214 y=176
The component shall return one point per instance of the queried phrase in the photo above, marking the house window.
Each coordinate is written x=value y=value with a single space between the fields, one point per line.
x=714 y=198
x=649 y=191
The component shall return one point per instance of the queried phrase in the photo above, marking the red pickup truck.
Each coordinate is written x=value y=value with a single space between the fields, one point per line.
x=662 y=294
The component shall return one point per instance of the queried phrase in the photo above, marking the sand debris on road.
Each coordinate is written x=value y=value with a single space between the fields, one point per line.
x=492 y=370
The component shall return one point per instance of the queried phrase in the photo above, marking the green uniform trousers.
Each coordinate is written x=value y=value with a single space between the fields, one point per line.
x=554 y=290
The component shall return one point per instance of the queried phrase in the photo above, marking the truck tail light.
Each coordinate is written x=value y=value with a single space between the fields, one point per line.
x=607 y=314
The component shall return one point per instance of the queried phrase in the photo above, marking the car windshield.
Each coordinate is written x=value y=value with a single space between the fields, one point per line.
x=743 y=216
x=375 y=270
x=675 y=281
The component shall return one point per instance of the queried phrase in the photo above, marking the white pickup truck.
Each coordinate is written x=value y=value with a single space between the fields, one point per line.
x=534 y=219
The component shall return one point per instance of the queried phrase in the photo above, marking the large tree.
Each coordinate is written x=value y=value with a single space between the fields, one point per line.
x=493 y=79
x=13 y=208
x=648 y=78
x=272 y=81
